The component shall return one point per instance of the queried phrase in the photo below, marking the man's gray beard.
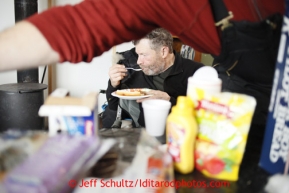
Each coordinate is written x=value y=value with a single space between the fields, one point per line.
x=160 y=70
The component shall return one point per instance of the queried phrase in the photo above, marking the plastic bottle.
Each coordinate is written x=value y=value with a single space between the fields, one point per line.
x=181 y=130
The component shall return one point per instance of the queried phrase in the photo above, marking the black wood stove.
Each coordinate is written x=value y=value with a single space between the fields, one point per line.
x=20 y=102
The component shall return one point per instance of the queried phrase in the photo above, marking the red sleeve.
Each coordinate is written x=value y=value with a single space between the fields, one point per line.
x=81 y=32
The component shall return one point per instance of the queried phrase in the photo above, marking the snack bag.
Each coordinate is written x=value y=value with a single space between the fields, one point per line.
x=224 y=120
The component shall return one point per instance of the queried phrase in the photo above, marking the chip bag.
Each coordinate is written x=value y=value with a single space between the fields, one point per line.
x=224 y=120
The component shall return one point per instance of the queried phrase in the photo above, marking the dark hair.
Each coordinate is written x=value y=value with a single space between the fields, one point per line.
x=158 y=37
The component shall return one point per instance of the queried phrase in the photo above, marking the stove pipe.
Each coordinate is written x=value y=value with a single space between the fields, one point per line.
x=24 y=9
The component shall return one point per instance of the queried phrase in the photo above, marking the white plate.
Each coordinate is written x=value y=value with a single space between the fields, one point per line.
x=131 y=97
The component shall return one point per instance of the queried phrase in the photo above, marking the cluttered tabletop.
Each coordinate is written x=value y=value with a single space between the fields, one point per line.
x=252 y=178
x=127 y=160
x=214 y=156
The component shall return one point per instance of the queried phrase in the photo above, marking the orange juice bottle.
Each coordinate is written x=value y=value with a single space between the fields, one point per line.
x=182 y=128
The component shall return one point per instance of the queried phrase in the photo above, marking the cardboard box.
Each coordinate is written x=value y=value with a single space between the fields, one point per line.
x=276 y=141
x=69 y=114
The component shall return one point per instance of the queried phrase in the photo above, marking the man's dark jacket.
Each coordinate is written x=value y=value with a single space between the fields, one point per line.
x=175 y=84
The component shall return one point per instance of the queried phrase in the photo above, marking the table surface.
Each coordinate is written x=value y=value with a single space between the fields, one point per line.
x=252 y=178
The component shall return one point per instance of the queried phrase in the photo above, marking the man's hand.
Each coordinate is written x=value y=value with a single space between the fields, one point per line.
x=156 y=94
x=116 y=74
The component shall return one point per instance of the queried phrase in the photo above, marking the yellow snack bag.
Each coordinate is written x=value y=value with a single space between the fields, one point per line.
x=224 y=120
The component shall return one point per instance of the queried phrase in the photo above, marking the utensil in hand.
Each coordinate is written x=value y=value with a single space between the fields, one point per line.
x=135 y=69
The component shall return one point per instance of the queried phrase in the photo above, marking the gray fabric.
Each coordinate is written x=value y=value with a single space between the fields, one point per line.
x=132 y=107
x=158 y=82
x=187 y=52
x=159 y=79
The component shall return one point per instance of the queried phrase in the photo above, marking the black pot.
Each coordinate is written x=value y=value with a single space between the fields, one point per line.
x=19 y=106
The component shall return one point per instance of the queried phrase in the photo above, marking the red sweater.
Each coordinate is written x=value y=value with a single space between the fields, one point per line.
x=81 y=32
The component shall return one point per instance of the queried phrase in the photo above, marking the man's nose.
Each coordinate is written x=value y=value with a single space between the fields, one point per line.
x=139 y=61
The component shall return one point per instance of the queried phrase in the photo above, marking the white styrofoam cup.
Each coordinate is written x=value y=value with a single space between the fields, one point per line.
x=155 y=113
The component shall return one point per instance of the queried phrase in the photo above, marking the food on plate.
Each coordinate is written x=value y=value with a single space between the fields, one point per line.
x=131 y=92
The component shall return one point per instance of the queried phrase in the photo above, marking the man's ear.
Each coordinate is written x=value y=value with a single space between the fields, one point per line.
x=164 y=51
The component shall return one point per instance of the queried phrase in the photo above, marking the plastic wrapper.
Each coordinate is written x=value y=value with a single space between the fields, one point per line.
x=150 y=171
x=60 y=159
x=224 y=120
x=16 y=146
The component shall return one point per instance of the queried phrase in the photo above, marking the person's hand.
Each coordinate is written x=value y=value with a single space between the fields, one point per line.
x=116 y=74
x=156 y=94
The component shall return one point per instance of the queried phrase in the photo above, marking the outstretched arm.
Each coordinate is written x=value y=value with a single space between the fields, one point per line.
x=24 y=46
x=88 y=29
x=81 y=32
